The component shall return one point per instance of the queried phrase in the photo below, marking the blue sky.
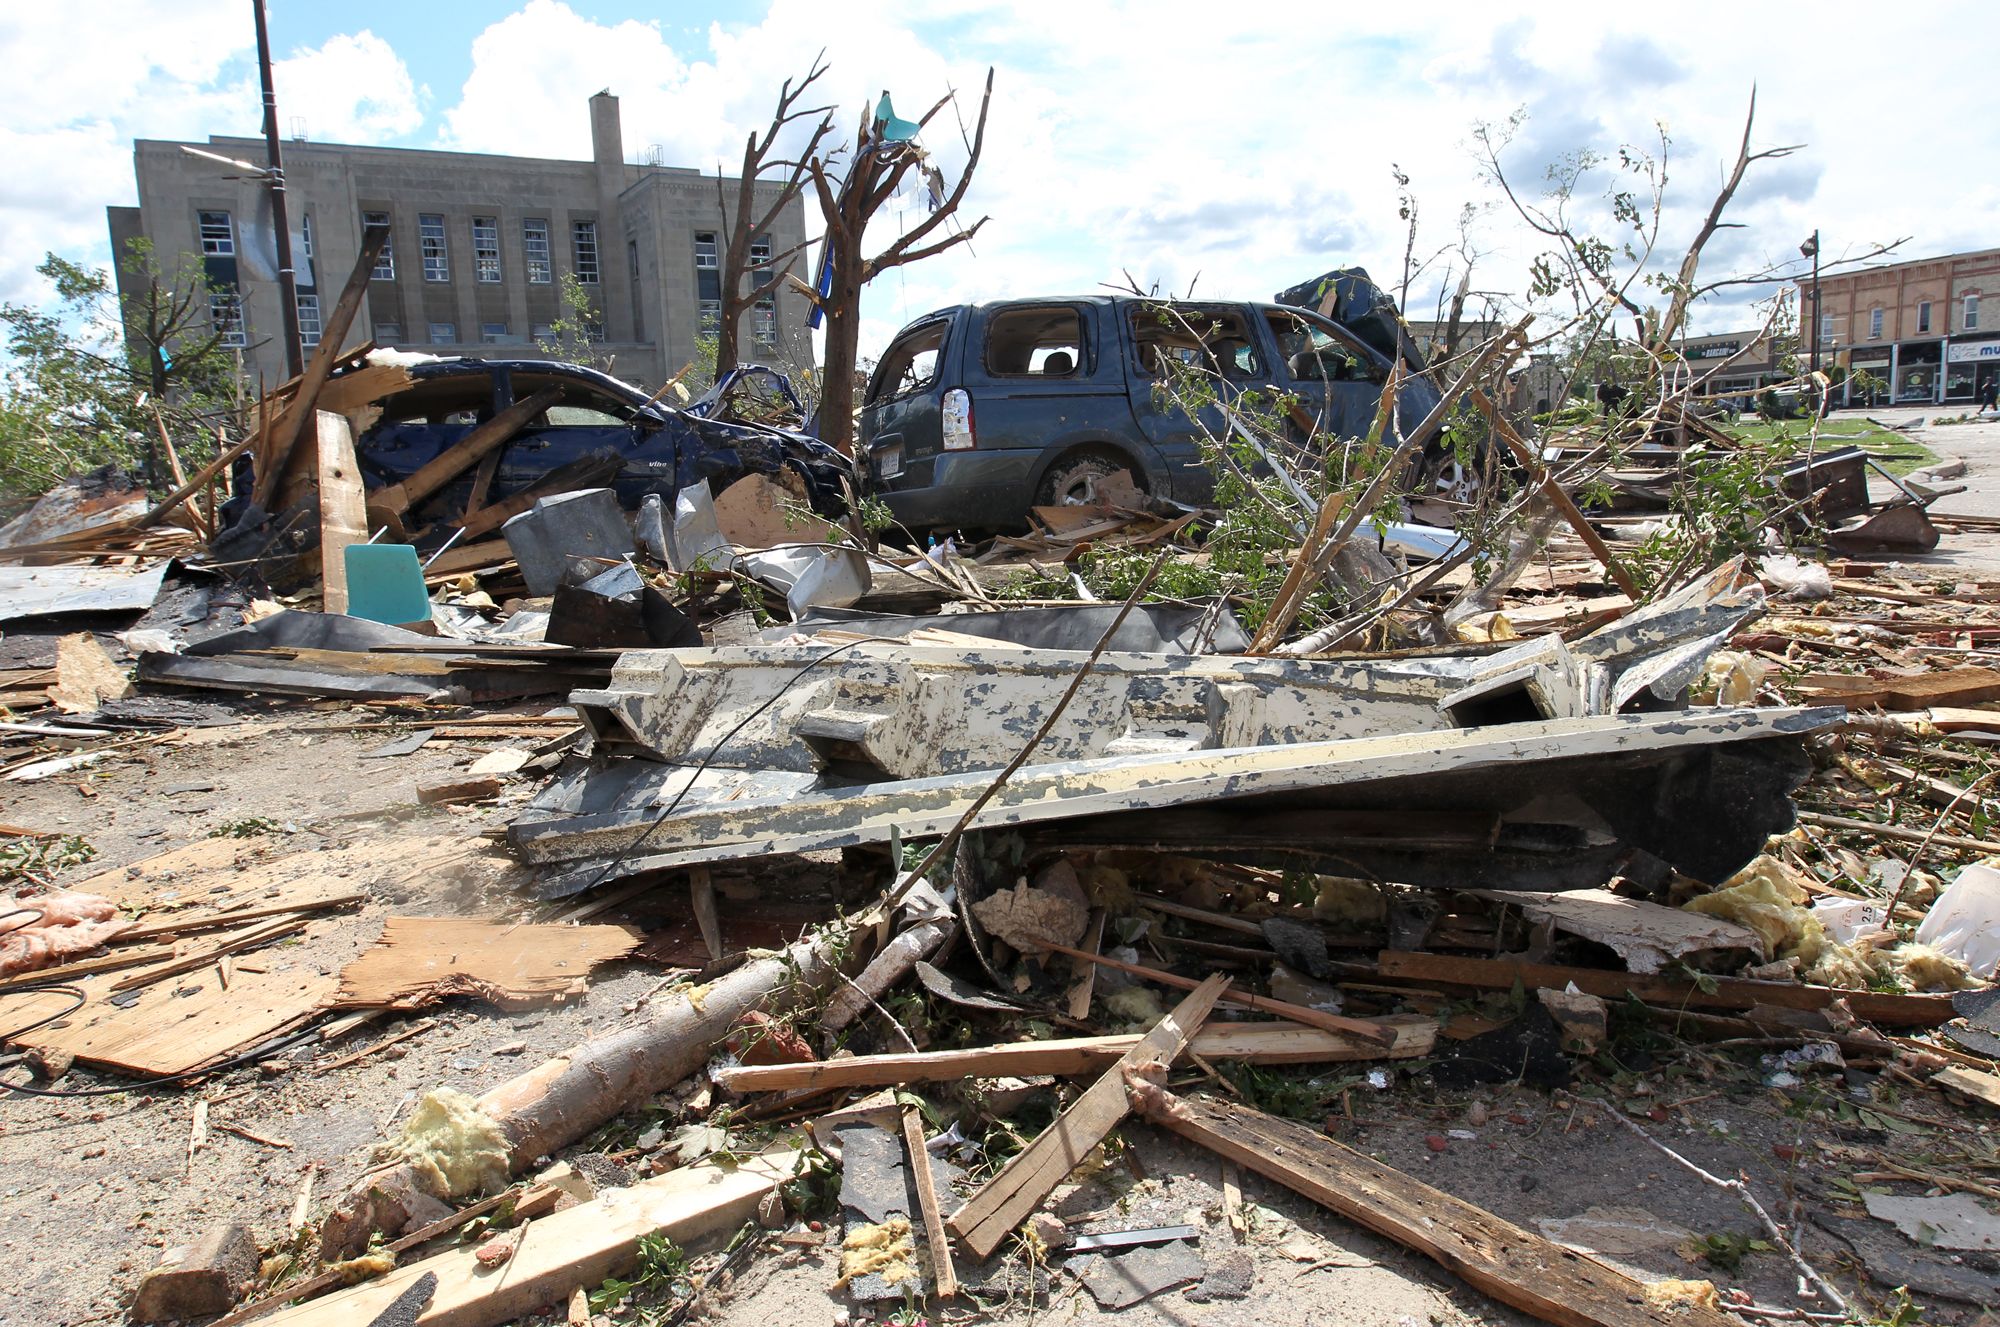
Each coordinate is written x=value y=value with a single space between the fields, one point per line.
x=1243 y=148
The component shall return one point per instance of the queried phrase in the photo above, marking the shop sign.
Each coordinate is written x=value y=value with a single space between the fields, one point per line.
x=1714 y=350
x=1970 y=352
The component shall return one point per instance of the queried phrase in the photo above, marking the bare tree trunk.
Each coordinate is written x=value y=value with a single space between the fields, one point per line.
x=560 y=1100
x=843 y=348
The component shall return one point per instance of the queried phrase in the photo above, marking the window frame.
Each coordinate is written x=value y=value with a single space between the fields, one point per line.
x=1923 y=316
x=309 y=338
x=385 y=261
x=222 y=245
x=705 y=246
x=1968 y=313
x=227 y=318
x=582 y=238
x=1875 y=324
x=449 y=340
x=488 y=336
x=764 y=322
x=878 y=384
x=486 y=250
x=708 y=317
x=388 y=334
x=434 y=247
x=537 y=251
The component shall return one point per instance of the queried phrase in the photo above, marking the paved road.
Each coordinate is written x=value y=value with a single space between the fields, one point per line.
x=1978 y=445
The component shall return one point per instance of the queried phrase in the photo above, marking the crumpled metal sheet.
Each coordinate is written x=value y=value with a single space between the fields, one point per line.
x=45 y=591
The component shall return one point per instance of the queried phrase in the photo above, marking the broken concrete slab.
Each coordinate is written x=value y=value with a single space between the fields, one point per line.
x=1958 y=1221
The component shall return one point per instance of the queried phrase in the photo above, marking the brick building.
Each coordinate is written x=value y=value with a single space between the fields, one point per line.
x=1918 y=327
x=478 y=248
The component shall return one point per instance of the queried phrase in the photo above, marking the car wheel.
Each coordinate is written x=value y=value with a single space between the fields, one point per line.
x=1072 y=482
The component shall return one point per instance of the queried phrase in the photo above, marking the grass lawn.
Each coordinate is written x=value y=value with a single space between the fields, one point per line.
x=1898 y=452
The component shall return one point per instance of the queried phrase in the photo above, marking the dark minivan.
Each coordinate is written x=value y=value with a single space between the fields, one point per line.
x=980 y=411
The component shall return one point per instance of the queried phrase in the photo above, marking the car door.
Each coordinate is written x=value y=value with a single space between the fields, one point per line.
x=1215 y=339
x=1337 y=379
x=1042 y=377
x=585 y=420
x=902 y=421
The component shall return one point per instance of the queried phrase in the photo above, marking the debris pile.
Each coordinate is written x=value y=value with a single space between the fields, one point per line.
x=937 y=886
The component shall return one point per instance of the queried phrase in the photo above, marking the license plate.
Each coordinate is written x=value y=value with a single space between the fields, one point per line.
x=889 y=462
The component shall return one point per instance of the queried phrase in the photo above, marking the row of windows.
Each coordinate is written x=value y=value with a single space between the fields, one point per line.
x=435 y=249
x=1968 y=319
x=492 y=334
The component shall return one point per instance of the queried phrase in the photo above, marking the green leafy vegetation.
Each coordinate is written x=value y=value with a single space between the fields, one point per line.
x=36 y=860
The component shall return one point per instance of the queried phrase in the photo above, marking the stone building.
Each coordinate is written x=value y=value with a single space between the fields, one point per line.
x=479 y=245
x=1916 y=328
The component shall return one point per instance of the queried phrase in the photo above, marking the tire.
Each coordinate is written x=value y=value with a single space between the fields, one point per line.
x=1070 y=481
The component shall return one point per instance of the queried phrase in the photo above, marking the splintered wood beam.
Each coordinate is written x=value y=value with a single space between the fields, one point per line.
x=1555 y=493
x=291 y=427
x=1515 y=1266
x=1011 y=1196
x=1253 y=1043
x=397 y=499
x=1365 y=1029
x=343 y=518
x=944 y=1276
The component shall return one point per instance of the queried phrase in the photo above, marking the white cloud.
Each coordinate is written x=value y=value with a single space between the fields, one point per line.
x=1166 y=138
x=351 y=89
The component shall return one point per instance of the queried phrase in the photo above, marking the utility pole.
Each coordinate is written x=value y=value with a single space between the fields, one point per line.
x=1811 y=250
x=288 y=288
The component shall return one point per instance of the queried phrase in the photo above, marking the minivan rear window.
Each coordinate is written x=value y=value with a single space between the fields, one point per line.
x=910 y=365
x=1044 y=342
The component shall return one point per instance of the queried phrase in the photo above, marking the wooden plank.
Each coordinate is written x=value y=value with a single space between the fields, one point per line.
x=944 y=1276
x=447 y=465
x=1255 y=1043
x=1515 y=1266
x=1557 y=495
x=343 y=518
x=1008 y=1199
x=290 y=429
x=420 y=960
x=167 y=1032
x=1901 y=833
x=579 y=1246
x=114 y=961
x=177 y=925
x=201 y=958
x=1366 y=1029
x=1974 y=1084
x=701 y=898
x=1722 y=992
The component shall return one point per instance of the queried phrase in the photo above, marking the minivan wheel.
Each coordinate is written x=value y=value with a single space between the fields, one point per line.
x=1072 y=481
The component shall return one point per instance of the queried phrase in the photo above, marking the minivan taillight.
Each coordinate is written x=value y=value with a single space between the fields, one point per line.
x=957 y=421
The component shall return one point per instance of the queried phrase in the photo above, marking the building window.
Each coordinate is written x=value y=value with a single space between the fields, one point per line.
x=1826 y=329
x=535 y=248
x=309 y=321
x=760 y=251
x=583 y=248
x=638 y=300
x=543 y=332
x=494 y=334
x=430 y=238
x=388 y=334
x=306 y=234
x=711 y=317
x=225 y=310
x=1923 y=315
x=1970 y=318
x=385 y=262
x=218 y=240
x=485 y=249
x=1874 y=324
x=764 y=322
x=387 y=258
x=705 y=258
x=444 y=334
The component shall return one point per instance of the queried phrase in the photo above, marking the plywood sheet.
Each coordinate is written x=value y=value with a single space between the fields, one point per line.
x=421 y=960
x=182 y=1023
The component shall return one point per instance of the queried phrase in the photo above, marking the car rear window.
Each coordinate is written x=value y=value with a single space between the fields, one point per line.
x=1041 y=342
x=910 y=365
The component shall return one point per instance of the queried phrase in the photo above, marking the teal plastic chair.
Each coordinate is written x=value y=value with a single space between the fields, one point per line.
x=385 y=583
